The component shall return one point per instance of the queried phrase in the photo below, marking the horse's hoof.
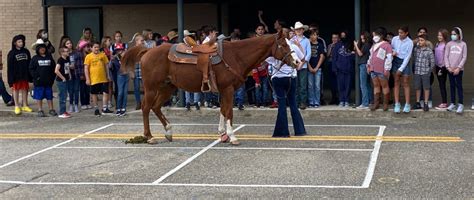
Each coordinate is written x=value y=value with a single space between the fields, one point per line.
x=235 y=143
x=225 y=138
x=152 y=141
x=169 y=138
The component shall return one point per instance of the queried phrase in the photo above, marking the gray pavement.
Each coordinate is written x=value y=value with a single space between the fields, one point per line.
x=332 y=162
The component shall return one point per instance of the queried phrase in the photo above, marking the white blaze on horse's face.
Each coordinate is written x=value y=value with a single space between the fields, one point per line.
x=296 y=60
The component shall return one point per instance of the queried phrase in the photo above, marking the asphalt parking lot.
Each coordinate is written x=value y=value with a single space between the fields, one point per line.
x=342 y=157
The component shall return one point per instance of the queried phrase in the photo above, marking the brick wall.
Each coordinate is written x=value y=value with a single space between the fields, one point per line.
x=130 y=19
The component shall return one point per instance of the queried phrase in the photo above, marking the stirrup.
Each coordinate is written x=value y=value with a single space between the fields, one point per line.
x=208 y=86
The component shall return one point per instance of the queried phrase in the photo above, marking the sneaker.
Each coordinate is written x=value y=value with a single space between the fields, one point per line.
x=71 y=108
x=303 y=106
x=397 y=107
x=64 y=115
x=83 y=107
x=346 y=105
x=76 y=108
x=107 y=111
x=341 y=104
x=89 y=107
x=118 y=113
x=274 y=105
x=460 y=109
x=316 y=106
x=123 y=113
x=97 y=113
x=472 y=107
x=10 y=103
x=426 y=107
x=198 y=106
x=17 y=110
x=241 y=107
x=26 y=109
x=417 y=106
x=41 y=114
x=362 y=107
x=430 y=104
x=406 y=109
x=53 y=113
x=188 y=106
x=139 y=106
x=451 y=107
x=442 y=106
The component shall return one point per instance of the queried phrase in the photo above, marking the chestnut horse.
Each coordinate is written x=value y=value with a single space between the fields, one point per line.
x=161 y=77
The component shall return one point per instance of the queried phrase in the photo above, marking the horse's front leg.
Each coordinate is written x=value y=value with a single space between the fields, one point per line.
x=227 y=113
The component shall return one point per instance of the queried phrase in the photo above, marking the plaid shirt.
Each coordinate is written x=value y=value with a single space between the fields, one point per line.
x=79 y=65
x=138 y=71
x=424 y=60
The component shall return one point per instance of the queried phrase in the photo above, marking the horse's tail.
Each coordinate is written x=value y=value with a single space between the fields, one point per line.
x=131 y=57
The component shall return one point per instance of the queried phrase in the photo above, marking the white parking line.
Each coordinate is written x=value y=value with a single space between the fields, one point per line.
x=373 y=158
x=54 y=146
x=180 y=184
x=189 y=160
x=224 y=148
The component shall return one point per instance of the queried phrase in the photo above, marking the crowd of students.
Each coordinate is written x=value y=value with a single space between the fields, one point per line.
x=385 y=62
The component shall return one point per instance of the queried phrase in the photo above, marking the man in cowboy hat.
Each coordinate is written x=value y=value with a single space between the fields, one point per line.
x=304 y=45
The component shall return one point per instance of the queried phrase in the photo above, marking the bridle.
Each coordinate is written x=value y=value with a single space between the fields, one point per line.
x=278 y=46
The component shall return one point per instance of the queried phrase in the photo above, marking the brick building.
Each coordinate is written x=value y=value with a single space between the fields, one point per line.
x=26 y=17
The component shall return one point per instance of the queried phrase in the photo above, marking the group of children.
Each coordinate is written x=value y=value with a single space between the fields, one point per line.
x=89 y=71
x=447 y=58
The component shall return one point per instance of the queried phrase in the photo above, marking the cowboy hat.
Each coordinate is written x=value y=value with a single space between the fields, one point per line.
x=171 y=35
x=299 y=25
x=39 y=41
x=187 y=33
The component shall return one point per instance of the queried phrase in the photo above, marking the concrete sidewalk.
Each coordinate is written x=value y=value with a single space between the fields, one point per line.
x=324 y=111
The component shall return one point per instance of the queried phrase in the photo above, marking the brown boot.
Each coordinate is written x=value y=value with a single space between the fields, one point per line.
x=376 y=104
x=386 y=99
x=139 y=106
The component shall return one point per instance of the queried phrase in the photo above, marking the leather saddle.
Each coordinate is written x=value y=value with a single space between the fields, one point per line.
x=182 y=53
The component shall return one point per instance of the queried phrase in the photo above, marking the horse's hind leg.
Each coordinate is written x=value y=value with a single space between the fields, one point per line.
x=146 y=106
x=164 y=95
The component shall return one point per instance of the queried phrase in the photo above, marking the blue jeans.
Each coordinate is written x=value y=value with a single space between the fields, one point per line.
x=261 y=93
x=314 y=88
x=136 y=89
x=285 y=89
x=85 y=93
x=455 y=83
x=190 y=95
x=3 y=91
x=365 y=86
x=62 y=88
x=240 y=95
x=122 y=88
x=302 y=94
x=344 y=84
x=73 y=91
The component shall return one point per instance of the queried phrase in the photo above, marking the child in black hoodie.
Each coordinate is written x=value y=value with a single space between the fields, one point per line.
x=18 y=76
x=42 y=70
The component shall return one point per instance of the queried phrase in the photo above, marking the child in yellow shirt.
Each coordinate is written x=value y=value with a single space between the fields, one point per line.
x=95 y=66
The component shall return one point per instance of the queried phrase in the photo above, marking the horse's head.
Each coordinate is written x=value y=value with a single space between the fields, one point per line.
x=282 y=50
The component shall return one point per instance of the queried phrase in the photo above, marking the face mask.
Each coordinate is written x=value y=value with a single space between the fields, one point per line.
x=454 y=37
x=376 y=39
